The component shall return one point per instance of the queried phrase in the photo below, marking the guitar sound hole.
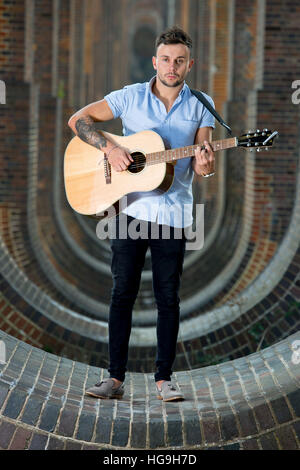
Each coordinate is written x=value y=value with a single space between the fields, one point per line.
x=138 y=164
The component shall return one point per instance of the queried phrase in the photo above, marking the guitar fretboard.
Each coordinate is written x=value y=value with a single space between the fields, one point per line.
x=184 y=152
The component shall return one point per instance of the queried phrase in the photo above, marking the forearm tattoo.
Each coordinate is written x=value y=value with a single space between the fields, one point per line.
x=87 y=131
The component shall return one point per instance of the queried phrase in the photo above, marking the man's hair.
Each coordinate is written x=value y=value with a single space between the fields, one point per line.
x=174 y=35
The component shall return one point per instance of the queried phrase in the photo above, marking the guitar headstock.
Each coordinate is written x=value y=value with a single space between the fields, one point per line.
x=257 y=139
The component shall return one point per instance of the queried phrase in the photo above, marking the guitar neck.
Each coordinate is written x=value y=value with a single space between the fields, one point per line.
x=184 y=152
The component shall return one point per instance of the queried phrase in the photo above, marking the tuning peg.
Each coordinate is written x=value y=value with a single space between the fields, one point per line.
x=258 y=150
x=250 y=132
x=266 y=148
x=265 y=130
x=257 y=130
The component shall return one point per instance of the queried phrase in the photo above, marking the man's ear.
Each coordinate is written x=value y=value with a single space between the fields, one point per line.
x=191 y=64
x=154 y=62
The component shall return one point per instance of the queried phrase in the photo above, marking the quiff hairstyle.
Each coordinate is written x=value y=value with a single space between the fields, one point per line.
x=174 y=35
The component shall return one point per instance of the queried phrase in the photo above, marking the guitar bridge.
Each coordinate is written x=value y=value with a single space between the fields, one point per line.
x=107 y=170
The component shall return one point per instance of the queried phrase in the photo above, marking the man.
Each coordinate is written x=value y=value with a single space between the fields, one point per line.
x=165 y=105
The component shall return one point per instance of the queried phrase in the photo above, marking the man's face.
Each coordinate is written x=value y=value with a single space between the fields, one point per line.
x=172 y=63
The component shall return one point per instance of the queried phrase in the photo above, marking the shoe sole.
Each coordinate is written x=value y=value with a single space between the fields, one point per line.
x=101 y=396
x=121 y=396
x=170 y=399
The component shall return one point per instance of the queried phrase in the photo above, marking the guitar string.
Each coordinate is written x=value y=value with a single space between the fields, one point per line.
x=142 y=164
x=141 y=161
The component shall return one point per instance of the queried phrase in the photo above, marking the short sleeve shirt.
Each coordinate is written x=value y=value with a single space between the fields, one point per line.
x=140 y=109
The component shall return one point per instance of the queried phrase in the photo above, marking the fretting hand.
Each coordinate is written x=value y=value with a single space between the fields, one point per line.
x=205 y=159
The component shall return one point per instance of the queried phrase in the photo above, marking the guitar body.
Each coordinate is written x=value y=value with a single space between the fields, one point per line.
x=86 y=188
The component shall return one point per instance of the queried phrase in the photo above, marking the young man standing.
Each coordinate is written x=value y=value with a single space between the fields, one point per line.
x=166 y=105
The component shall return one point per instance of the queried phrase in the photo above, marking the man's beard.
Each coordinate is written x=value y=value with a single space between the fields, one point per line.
x=171 y=85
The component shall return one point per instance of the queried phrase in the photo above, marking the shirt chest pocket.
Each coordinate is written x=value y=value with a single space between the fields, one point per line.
x=185 y=129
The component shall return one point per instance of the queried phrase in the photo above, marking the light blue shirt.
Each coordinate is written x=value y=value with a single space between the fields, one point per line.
x=140 y=109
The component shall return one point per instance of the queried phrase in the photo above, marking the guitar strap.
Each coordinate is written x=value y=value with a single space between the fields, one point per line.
x=207 y=104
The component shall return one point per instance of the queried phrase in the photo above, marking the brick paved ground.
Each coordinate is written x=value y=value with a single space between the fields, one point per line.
x=249 y=403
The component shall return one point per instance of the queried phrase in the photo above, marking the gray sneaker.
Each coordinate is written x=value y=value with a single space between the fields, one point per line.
x=106 y=389
x=169 y=392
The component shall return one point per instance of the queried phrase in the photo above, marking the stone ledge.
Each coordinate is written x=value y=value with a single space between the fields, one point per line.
x=249 y=402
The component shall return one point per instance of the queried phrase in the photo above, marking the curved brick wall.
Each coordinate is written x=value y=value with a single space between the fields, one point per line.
x=240 y=294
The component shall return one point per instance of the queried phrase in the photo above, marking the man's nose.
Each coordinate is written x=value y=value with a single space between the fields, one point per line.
x=172 y=67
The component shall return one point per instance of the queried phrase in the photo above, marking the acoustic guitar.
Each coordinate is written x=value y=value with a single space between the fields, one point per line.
x=93 y=187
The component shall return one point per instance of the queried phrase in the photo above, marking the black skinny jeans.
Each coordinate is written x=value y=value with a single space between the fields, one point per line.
x=128 y=257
